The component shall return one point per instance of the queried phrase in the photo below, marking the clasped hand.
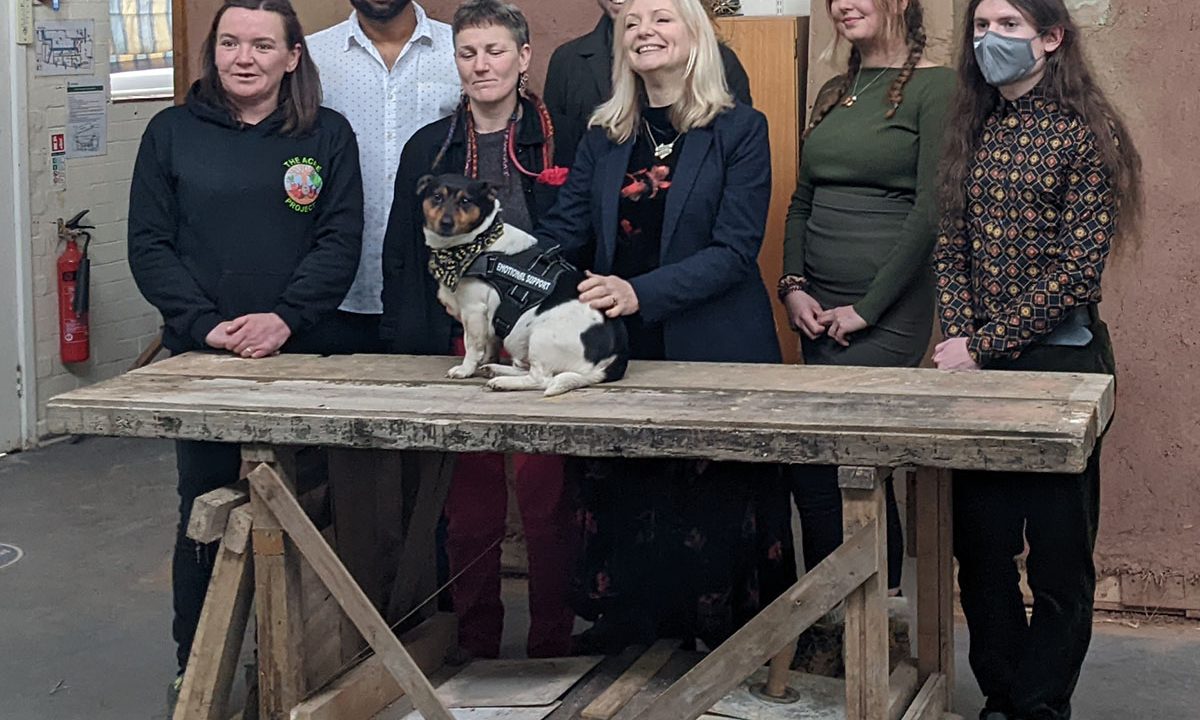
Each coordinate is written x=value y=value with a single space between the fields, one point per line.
x=251 y=336
x=952 y=354
x=805 y=315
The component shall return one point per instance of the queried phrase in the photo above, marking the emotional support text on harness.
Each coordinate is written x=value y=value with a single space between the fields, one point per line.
x=524 y=278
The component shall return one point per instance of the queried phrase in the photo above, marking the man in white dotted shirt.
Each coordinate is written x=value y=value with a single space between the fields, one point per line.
x=390 y=70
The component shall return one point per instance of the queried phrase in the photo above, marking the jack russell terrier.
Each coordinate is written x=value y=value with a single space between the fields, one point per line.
x=503 y=287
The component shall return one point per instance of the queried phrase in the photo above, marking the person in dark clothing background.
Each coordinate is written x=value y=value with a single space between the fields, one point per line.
x=579 y=78
x=501 y=133
x=666 y=207
x=245 y=225
x=1025 y=237
x=858 y=285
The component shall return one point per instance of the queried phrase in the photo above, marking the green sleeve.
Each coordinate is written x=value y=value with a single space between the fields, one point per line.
x=912 y=252
x=801 y=206
x=797 y=225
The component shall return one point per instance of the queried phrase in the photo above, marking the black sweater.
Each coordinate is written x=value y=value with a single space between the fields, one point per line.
x=414 y=322
x=227 y=220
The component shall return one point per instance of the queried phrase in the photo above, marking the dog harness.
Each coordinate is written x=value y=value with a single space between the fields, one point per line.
x=523 y=280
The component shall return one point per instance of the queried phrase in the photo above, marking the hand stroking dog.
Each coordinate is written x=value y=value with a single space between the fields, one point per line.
x=502 y=286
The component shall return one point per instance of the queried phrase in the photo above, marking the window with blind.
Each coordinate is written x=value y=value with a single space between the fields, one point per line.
x=142 y=58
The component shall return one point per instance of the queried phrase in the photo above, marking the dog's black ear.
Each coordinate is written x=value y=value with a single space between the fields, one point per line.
x=424 y=183
x=482 y=189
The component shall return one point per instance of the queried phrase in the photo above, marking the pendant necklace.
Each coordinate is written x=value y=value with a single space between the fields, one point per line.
x=849 y=102
x=661 y=150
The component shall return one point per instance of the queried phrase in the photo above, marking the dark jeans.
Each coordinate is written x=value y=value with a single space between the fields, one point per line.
x=1029 y=669
x=203 y=467
x=819 y=503
x=206 y=466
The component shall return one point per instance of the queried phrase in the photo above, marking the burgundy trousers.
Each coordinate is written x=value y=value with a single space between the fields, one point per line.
x=476 y=510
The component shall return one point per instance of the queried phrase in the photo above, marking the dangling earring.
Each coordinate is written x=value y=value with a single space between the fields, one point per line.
x=523 y=84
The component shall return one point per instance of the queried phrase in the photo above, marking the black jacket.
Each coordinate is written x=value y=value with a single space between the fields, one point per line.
x=227 y=220
x=579 y=79
x=414 y=322
x=707 y=291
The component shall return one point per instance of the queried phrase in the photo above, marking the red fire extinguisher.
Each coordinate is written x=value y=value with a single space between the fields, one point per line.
x=73 y=271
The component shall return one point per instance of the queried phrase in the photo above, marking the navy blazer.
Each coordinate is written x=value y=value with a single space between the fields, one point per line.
x=707 y=291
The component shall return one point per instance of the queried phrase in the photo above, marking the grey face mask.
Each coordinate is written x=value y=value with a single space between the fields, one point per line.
x=1004 y=60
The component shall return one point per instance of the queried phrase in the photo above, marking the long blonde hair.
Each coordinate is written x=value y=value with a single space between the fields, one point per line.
x=705 y=91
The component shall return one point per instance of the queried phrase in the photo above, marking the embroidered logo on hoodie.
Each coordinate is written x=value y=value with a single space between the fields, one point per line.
x=302 y=181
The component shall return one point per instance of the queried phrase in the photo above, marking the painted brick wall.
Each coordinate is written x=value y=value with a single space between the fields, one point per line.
x=122 y=323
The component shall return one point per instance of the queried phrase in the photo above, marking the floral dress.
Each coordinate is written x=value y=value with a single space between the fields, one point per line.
x=672 y=548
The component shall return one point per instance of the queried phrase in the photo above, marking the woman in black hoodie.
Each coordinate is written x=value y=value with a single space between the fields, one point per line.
x=245 y=224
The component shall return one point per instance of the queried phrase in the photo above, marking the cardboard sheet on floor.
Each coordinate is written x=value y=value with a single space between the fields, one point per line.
x=514 y=683
x=821 y=698
x=496 y=713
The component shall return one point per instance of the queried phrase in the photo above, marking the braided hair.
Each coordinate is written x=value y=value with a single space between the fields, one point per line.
x=839 y=89
x=915 y=38
x=462 y=109
x=463 y=114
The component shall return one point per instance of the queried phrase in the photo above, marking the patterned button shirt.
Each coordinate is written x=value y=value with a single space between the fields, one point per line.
x=1032 y=240
x=385 y=107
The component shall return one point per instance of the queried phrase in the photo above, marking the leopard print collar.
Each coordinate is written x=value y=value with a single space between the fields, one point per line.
x=447 y=265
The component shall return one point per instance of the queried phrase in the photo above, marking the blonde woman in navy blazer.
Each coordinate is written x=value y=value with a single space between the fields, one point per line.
x=666 y=206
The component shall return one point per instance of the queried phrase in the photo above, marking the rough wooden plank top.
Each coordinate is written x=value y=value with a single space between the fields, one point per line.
x=757 y=413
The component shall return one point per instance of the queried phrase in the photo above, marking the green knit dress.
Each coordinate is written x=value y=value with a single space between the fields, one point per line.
x=862 y=223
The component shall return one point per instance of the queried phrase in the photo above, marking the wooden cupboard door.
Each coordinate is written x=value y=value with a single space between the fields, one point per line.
x=774 y=51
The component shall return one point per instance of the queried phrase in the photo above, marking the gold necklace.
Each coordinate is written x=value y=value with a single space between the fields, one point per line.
x=849 y=102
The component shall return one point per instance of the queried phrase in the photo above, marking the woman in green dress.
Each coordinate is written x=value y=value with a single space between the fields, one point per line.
x=858 y=284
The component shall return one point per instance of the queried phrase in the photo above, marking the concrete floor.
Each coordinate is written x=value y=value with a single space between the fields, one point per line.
x=85 y=613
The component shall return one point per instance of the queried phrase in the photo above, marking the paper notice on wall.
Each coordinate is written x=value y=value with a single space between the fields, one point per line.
x=58 y=159
x=87 y=118
x=65 y=47
x=24 y=23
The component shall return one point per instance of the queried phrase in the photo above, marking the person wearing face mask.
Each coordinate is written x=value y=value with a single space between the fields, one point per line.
x=500 y=132
x=1040 y=178
x=245 y=221
x=579 y=78
x=665 y=207
x=389 y=69
x=858 y=286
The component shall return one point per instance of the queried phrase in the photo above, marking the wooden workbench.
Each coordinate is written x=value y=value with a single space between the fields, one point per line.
x=363 y=409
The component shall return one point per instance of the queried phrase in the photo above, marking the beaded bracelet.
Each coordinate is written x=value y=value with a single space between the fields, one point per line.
x=789 y=284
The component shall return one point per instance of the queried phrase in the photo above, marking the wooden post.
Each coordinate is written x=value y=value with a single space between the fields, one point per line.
x=935 y=577
x=631 y=681
x=866 y=607
x=281 y=503
x=218 y=641
x=777 y=674
x=210 y=511
x=368 y=688
x=416 y=575
x=277 y=592
x=930 y=702
x=367 y=496
x=780 y=622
